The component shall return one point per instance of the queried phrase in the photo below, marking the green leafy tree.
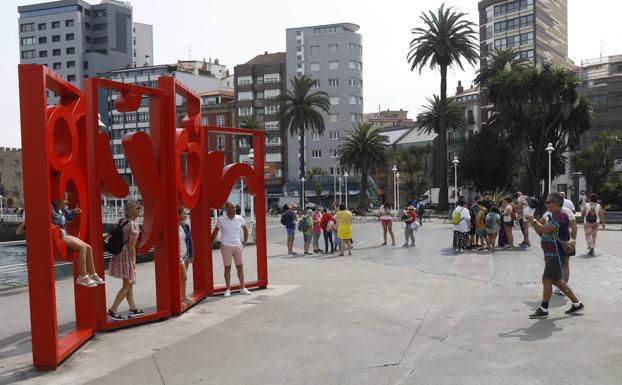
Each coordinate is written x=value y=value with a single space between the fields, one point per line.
x=497 y=61
x=597 y=161
x=300 y=111
x=252 y=123
x=364 y=149
x=535 y=106
x=445 y=40
x=411 y=162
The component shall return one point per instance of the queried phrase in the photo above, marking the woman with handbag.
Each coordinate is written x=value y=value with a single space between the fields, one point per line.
x=410 y=220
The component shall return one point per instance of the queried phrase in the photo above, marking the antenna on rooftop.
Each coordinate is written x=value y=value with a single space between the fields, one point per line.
x=189 y=52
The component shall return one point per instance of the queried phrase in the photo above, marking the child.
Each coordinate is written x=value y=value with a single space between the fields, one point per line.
x=186 y=253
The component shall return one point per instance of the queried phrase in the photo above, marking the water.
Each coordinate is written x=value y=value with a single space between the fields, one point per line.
x=13 y=271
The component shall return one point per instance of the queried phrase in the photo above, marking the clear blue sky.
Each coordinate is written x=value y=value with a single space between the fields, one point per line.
x=234 y=32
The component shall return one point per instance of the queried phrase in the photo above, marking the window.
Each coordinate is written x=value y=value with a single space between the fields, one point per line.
x=352 y=99
x=352 y=47
x=99 y=13
x=316 y=84
x=55 y=38
x=316 y=153
x=315 y=136
x=334 y=100
x=352 y=64
x=69 y=23
x=361 y=100
x=220 y=142
x=526 y=38
x=353 y=117
x=359 y=66
x=271 y=142
x=71 y=64
x=298 y=33
x=100 y=40
x=243 y=143
x=245 y=111
x=271 y=126
x=69 y=36
x=87 y=39
x=470 y=117
x=220 y=120
x=248 y=95
x=299 y=48
x=56 y=66
x=87 y=25
x=43 y=53
x=334 y=82
x=28 y=40
x=333 y=135
x=352 y=82
x=42 y=26
x=70 y=50
x=71 y=78
x=243 y=80
x=28 y=54
x=28 y=27
x=526 y=54
x=100 y=27
x=272 y=109
x=333 y=65
x=272 y=78
x=333 y=118
x=314 y=49
x=271 y=94
x=332 y=48
x=55 y=24
x=85 y=65
x=299 y=65
x=314 y=66
x=333 y=153
x=43 y=40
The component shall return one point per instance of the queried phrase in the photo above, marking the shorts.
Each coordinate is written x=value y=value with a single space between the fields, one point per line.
x=508 y=224
x=552 y=269
x=291 y=230
x=308 y=238
x=481 y=233
x=386 y=221
x=231 y=253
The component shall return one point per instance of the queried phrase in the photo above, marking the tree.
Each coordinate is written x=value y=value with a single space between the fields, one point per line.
x=300 y=112
x=487 y=161
x=364 y=149
x=597 y=161
x=497 y=61
x=252 y=123
x=535 y=106
x=446 y=38
x=411 y=161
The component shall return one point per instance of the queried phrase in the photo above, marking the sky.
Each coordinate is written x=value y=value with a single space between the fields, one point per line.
x=238 y=30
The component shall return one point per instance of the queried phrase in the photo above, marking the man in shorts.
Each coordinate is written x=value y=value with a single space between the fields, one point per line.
x=525 y=210
x=288 y=219
x=551 y=233
x=231 y=246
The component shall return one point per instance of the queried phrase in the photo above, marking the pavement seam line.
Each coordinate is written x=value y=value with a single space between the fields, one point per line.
x=155 y=361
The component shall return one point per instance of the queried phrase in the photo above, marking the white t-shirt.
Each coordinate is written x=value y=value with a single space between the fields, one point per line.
x=568 y=204
x=465 y=220
x=183 y=249
x=571 y=216
x=230 y=229
x=588 y=207
x=525 y=206
x=507 y=213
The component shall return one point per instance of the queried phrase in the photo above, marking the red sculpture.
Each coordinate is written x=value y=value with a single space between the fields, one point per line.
x=73 y=157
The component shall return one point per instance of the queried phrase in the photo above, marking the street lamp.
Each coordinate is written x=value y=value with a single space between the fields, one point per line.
x=394 y=169
x=251 y=156
x=334 y=185
x=345 y=175
x=550 y=150
x=455 y=162
x=1 y=205
x=397 y=189
x=340 y=184
x=302 y=192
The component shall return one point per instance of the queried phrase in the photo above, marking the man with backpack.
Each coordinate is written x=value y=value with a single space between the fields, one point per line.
x=288 y=219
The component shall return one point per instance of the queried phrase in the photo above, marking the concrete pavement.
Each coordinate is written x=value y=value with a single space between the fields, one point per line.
x=386 y=315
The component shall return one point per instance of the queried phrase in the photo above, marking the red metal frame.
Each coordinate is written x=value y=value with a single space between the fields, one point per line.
x=63 y=151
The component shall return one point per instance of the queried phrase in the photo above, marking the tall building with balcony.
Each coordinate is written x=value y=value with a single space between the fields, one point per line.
x=469 y=102
x=77 y=40
x=538 y=29
x=332 y=54
x=258 y=86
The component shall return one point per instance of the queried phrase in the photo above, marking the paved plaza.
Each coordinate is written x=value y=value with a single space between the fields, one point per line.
x=385 y=315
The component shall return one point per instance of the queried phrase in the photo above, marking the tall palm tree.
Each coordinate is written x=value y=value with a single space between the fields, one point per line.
x=300 y=112
x=445 y=40
x=497 y=61
x=364 y=149
x=252 y=123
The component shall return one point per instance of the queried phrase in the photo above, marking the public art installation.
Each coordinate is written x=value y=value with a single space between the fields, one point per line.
x=64 y=153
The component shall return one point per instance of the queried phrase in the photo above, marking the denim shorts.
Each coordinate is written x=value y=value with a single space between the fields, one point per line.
x=291 y=230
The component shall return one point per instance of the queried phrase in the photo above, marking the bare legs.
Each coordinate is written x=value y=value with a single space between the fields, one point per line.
x=547 y=290
x=126 y=292
x=290 y=244
x=343 y=243
x=85 y=254
x=388 y=227
x=491 y=239
x=240 y=271
x=509 y=236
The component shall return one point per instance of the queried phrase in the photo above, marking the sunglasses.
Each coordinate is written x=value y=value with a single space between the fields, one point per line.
x=547 y=202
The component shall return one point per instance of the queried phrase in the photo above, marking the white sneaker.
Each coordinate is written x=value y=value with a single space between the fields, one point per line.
x=96 y=279
x=85 y=280
x=245 y=291
x=228 y=293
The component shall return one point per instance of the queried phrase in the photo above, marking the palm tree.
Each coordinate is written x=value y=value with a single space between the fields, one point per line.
x=498 y=60
x=446 y=39
x=364 y=149
x=300 y=113
x=252 y=123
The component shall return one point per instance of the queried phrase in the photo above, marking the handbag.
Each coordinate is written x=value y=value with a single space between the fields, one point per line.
x=569 y=247
x=414 y=226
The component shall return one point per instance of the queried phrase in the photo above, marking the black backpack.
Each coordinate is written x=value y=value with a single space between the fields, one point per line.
x=532 y=202
x=115 y=243
x=283 y=221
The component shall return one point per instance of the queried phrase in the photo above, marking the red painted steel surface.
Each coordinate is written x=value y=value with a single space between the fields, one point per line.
x=72 y=156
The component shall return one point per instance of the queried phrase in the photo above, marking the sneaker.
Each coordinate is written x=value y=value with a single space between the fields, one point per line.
x=96 y=278
x=591 y=252
x=245 y=291
x=405 y=245
x=85 y=280
x=228 y=293
x=114 y=316
x=187 y=301
x=575 y=309
x=135 y=313
x=539 y=314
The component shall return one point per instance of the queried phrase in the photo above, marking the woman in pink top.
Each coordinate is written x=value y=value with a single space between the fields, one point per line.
x=316 y=217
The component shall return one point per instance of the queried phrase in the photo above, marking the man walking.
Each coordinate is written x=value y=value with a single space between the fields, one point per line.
x=573 y=236
x=231 y=246
x=568 y=203
x=288 y=219
x=552 y=233
x=525 y=210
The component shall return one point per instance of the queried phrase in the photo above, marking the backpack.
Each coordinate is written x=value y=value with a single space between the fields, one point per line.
x=532 y=202
x=514 y=213
x=115 y=243
x=491 y=220
x=456 y=217
x=283 y=221
x=303 y=225
x=591 y=215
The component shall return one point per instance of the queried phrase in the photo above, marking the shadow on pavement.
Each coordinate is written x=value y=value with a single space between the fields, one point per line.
x=539 y=330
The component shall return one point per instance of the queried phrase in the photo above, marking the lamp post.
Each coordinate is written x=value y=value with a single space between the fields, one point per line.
x=340 y=184
x=394 y=169
x=302 y=192
x=335 y=185
x=397 y=189
x=1 y=205
x=345 y=175
x=251 y=156
x=455 y=162
x=550 y=150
